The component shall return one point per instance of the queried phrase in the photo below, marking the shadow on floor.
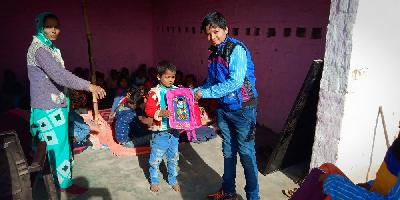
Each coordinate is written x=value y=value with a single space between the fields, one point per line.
x=196 y=178
x=102 y=193
x=296 y=172
x=266 y=140
x=39 y=192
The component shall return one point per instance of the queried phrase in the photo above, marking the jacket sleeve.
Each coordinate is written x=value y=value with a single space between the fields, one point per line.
x=152 y=107
x=58 y=73
x=237 y=73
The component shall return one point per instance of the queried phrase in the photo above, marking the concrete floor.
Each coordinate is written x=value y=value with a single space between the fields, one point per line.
x=201 y=168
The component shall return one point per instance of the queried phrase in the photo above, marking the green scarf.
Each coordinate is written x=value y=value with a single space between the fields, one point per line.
x=40 y=34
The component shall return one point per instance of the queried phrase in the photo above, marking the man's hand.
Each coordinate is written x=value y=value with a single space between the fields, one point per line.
x=198 y=95
x=164 y=113
x=97 y=91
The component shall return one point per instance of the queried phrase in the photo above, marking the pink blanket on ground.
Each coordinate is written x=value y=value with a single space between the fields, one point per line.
x=103 y=133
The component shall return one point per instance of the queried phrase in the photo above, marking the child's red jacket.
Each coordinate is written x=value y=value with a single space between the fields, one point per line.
x=152 y=107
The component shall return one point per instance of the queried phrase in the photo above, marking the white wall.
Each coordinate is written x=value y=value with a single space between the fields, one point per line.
x=373 y=80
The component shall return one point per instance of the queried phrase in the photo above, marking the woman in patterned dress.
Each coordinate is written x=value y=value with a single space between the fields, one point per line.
x=49 y=81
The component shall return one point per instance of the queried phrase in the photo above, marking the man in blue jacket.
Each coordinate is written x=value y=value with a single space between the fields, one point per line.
x=231 y=79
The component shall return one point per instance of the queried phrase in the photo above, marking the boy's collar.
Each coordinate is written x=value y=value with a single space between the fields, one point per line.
x=161 y=86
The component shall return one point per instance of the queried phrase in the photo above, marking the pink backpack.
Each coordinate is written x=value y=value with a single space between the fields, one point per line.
x=185 y=112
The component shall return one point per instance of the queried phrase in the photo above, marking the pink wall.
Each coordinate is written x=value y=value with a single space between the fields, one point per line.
x=281 y=62
x=122 y=33
x=126 y=33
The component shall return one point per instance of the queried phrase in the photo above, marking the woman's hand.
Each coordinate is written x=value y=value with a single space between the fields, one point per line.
x=97 y=91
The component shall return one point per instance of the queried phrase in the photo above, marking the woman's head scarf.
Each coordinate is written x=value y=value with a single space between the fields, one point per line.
x=40 y=34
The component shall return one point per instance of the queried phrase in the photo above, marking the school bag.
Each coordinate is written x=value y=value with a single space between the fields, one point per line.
x=185 y=112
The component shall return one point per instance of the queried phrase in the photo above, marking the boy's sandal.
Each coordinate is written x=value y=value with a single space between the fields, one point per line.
x=289 y=193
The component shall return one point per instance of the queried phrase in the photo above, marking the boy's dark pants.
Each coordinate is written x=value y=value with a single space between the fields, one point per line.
x=238 y=132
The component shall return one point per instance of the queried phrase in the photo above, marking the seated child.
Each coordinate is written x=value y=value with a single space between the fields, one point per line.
x=120 y=92
x=206 y=131
x=190 y=81
x=126 y=119
x=78 y=129
x=164 y=139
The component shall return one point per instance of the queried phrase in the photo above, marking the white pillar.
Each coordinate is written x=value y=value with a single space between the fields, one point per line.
x=360 y=75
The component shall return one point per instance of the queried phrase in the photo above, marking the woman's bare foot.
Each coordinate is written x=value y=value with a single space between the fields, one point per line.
x=154 y=188
x=176 y=187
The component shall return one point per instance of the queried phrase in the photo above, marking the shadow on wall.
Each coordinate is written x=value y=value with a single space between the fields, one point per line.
x=196 y=178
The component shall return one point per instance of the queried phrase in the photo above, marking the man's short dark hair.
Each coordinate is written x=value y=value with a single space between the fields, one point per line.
x=165 y=65
x=213 y=19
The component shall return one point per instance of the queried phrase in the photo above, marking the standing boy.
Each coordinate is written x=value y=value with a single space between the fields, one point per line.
x=231 y=79
x=164 y=139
